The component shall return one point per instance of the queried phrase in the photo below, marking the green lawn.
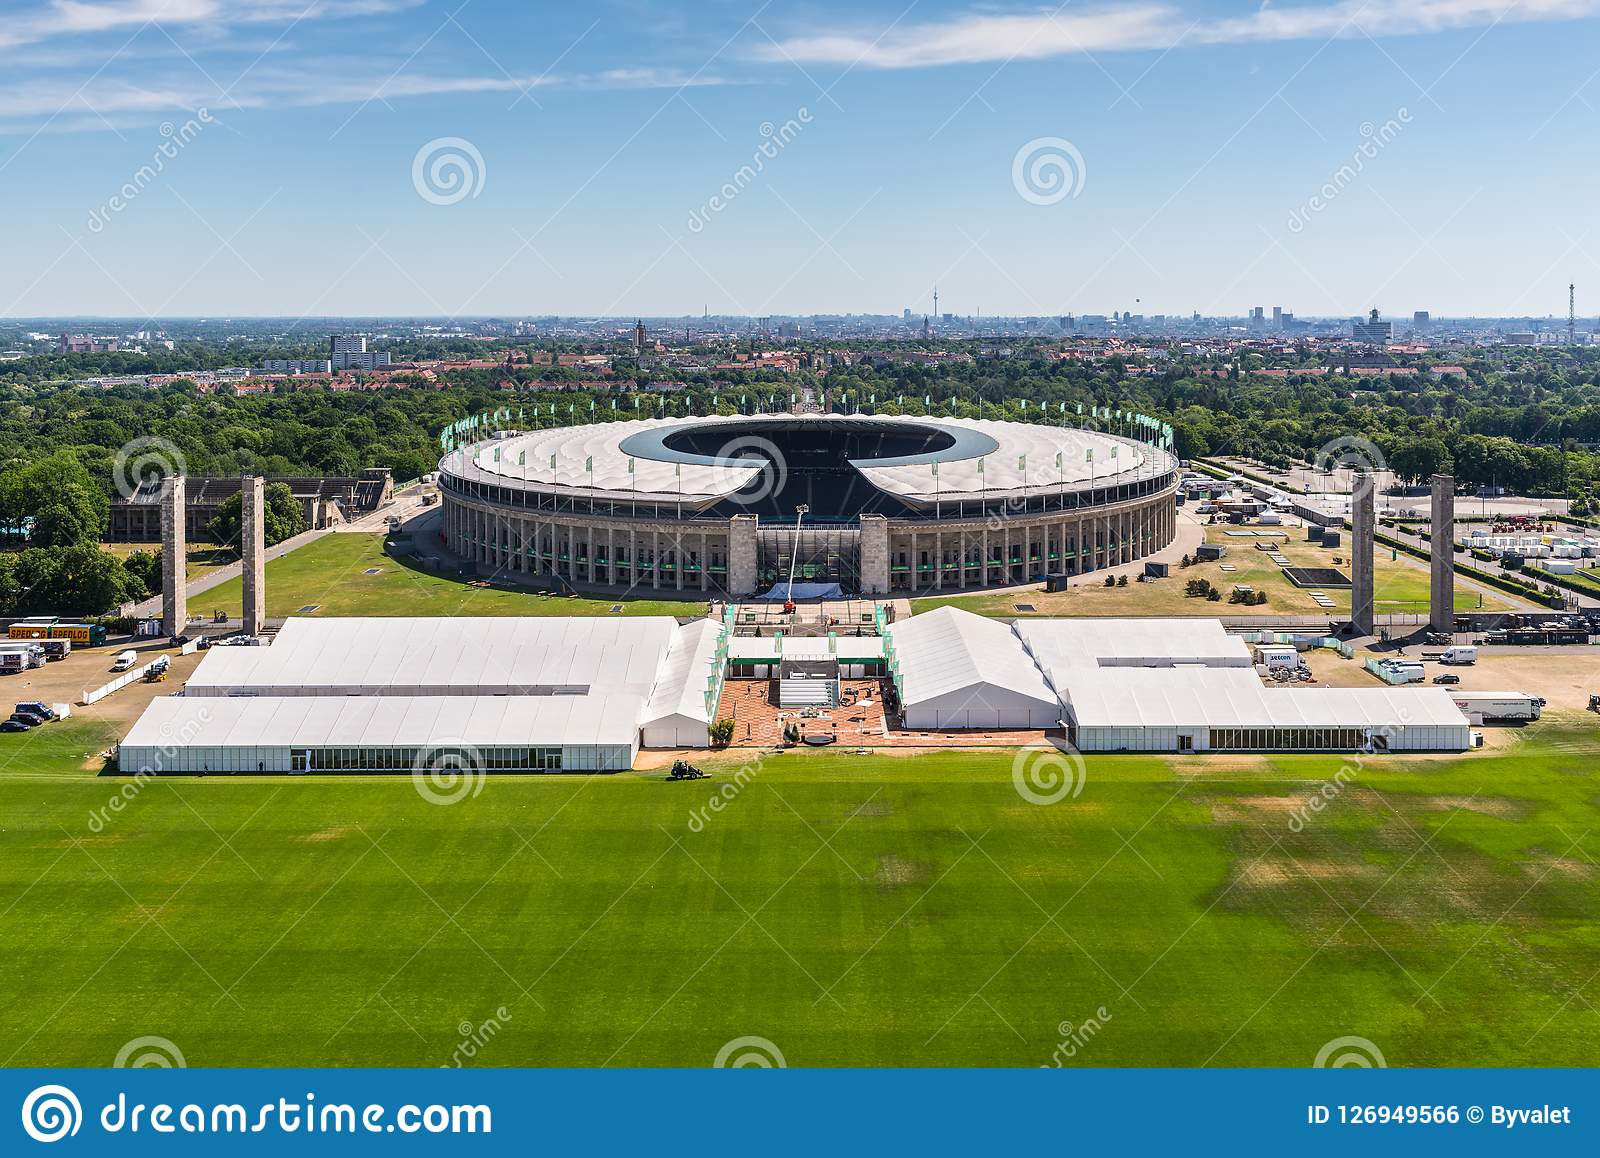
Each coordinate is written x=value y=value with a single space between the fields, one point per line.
x=1400 y=585
x=850 y=909
x=332 y=574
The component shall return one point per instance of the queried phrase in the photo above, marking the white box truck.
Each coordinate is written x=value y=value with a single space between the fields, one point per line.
x=1459 y=655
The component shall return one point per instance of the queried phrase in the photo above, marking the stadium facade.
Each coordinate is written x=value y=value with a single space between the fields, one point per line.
x=892 y=504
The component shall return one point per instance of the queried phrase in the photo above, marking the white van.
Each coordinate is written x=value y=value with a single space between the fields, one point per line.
x=125 y=660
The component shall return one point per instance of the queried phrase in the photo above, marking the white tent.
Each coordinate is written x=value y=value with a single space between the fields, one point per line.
x=461 y=656
x=959 y=670
x=677 y=715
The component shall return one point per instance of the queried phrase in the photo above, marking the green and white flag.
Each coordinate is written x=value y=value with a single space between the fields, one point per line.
x=630 y=466
x=588 y=464
x=1088 y=455
x=552 y=462
x=1022 y=463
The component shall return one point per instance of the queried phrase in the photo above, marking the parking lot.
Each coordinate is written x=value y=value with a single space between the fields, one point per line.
x=65 y=681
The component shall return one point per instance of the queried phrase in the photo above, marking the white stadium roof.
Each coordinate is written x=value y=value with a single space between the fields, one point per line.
x=988 y=457
x=498 y=655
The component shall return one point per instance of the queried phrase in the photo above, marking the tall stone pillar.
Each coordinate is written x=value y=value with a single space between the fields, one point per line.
x=1363 y=488
x=875 y=556
x=1441 y=550
x=253 y=552
x=742 y=566
x=174 y=557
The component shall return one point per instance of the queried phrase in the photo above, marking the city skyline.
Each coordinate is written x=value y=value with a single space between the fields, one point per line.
x=194 y=158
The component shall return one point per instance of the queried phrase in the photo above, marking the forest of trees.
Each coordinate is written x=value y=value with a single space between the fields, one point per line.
x=1526 y=420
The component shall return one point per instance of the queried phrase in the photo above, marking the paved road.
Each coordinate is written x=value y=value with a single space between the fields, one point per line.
x=1313 y=482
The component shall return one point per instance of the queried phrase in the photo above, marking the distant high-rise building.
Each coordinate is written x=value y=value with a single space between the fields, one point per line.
x=1258 y=318
x=1420 y=321
x=1277 y=317
x=351 y=353
x=1372 y=331
x=905 y=314
x=638 y=336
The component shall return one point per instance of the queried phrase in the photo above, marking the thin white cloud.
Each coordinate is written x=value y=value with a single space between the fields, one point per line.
x=61 y=19
x=120 y=101
x=1039 y=34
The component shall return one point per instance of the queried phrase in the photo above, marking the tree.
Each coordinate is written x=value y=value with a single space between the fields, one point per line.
x=145 y=566
x=282 y=517
x=74 y=581
x=66 y=506
x=1417 y=459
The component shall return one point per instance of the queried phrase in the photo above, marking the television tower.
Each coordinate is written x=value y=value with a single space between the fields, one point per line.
x=935 y=303
x=1572 y=314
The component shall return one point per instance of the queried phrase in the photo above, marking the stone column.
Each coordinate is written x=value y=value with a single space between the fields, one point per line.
x=1441 y=549
x=1363 y=486
x=874 y=555
x=743 y=571
x=174 y=557
x=253 y=549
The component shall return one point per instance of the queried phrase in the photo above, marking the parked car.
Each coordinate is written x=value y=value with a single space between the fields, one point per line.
x=37 y=709
x=1447 y=678
x=13 y=726
x=27 y=718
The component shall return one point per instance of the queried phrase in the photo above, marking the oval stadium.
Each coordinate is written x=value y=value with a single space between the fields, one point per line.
x=873 y=504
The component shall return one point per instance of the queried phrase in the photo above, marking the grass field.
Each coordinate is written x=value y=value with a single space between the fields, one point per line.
x=1400 y=584
x=850 y=909
x=201 y=559
x=332 y=574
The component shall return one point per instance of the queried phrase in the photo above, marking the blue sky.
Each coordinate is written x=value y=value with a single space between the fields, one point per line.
x=1326 y=157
